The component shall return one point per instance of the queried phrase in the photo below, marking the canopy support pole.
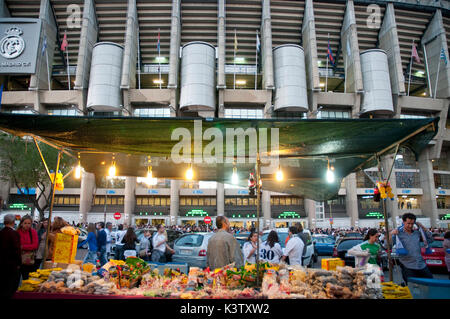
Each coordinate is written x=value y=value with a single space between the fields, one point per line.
x=258 y=208
x=42 y=158
x=51 y=203
x=386 y=222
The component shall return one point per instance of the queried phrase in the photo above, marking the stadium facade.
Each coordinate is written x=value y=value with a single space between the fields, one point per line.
x=235 y=59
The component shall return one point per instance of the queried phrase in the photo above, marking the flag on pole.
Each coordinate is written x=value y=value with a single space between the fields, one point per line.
x=64 y=43
x=330 y=53
x=158 y=46
x=258 y=43
x=443 y=56
x=235 y=41
x=44 y=45
x=414 y=53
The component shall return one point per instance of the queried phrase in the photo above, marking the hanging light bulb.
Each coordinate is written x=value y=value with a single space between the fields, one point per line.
x=330 y=174
x=234 y=177
x=189 y=173
x=78 y=169
x=279 y=175
x=149 y=180
x=112 y=169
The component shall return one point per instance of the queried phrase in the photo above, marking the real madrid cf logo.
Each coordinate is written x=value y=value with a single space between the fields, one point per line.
x=12 y=45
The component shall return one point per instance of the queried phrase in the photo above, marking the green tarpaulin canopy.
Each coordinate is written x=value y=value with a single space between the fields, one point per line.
x=305 y=147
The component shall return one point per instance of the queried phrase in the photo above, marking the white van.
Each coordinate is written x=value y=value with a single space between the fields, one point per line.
x=309 y=258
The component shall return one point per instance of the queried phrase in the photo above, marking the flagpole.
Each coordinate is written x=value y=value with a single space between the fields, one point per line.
x=48 y=71
x=256 y=59
x=139 y=61
x=68 y=67
x=159 y=56
x=437 y=76
x=345 y=74
x=326 y=75
x=410 y=65
x=428 y=73
x=234 y=61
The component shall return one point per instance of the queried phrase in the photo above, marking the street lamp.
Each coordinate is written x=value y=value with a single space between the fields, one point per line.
x=279 y=175
x=330 y=173
x=189 y=173
x=234 y=177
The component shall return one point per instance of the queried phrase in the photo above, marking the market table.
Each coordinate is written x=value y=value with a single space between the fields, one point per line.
x=46 y=295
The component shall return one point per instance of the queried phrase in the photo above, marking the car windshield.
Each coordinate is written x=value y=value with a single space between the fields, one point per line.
x=347 y=244
x=324 y=240
x=437 y=244
x=191 y=240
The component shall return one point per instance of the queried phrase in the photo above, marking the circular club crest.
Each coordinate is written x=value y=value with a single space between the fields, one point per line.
x=12 y=45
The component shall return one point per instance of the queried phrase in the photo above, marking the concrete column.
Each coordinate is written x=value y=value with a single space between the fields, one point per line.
x=174 y=200
x=388 y=39
x=39 y=80
x=391 y=205
x=266 y=43
x=88 y=37
x=309 y=43
x=435 y=151
x=4 y=11
x=351 y=199
x=220 y=199
x=426 y=176
x=130 y=198
x=435 y=40
x=175 y=40
x=349 y=38
x=128 y=80
x=86 y=194
x=266 y=213
x=221 y=83
x=310 y=209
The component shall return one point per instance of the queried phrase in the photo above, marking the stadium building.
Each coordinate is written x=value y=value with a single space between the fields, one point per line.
x=234 y=59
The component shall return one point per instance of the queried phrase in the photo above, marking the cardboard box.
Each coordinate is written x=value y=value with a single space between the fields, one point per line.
x=65 y=248
x=332 y=263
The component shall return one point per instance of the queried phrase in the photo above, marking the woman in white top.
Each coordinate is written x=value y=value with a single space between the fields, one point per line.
x=271 y=250
x=250 y=247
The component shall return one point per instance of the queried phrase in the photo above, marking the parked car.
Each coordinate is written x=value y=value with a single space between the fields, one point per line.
x=242 y=238
x=191 y=249
x=341 y=248
x=348 y=235
x=324 y=244
x=437 y=257
x=310 y=257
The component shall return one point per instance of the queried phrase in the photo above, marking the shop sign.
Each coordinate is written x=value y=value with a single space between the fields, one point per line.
x=110 y=191
x=196 y=213
x=444 y=217
x=19 y=206
x=368 y=191
x=406 y=191
x=197 y=192
x=23 y=190
x=442 y=192
x=376 y=215
x=244 y=216
x=242 y=192
x=289 y=215
x=150 y=214
x=152 y=191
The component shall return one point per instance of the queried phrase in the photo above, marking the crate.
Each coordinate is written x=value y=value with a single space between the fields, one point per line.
x=65 y=248
x=425 y=288
x=182 y=267
x=332 y=263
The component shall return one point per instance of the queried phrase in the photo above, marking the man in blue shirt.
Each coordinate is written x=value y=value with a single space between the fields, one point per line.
x=412 y=264
x=101 y=243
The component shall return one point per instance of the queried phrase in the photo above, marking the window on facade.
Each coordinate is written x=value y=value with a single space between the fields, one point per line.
x=157 y=201
x=414 y=116
x=244 y=113
x=333 y=114
x=407 y=180
x=239 y=201
x=367 y=202
x=405 y=159
x=201 y=201
x=288 y=201
x=213 y=201
x=442 y=181
x=245 y=201
x=152 y=112
x=443 y=202
x=194 y=201
x=251 y=201
x=408 y=202
x=64 y=112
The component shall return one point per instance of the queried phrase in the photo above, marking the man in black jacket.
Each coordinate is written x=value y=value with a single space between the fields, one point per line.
x=10 y=258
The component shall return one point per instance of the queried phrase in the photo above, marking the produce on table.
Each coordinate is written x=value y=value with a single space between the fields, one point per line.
x=69 y=230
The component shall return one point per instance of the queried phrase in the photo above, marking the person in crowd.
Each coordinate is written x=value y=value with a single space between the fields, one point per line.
x=57 y=224
x=249 y=249
x=29 y=244
x=42 y=233
x=446 y=246
x=108 y=231
x=10 y=257
x=294 y=248
x=223 y=248
x=129 y=241
x=101 y=243
x=119 y=245
x=159 y=242
x=144 y=247
x=91 y=240
x=271 y=250
x=368 y=251
x=412 y=264
x=303 y=236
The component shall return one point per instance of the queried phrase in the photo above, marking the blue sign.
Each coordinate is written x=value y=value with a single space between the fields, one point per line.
x=406 y=191
x=152 y=191
x=196 y=192
x=110 y=192
x=442 y=192
x=242 y=192
x=30 y=191
x=369 y=191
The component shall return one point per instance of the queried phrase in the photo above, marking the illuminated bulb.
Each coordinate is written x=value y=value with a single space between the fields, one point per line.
x=112 y=170
x=279 y=175
x=189 y=173
x=78 y=171
x=234 y=177
x=330 y=176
